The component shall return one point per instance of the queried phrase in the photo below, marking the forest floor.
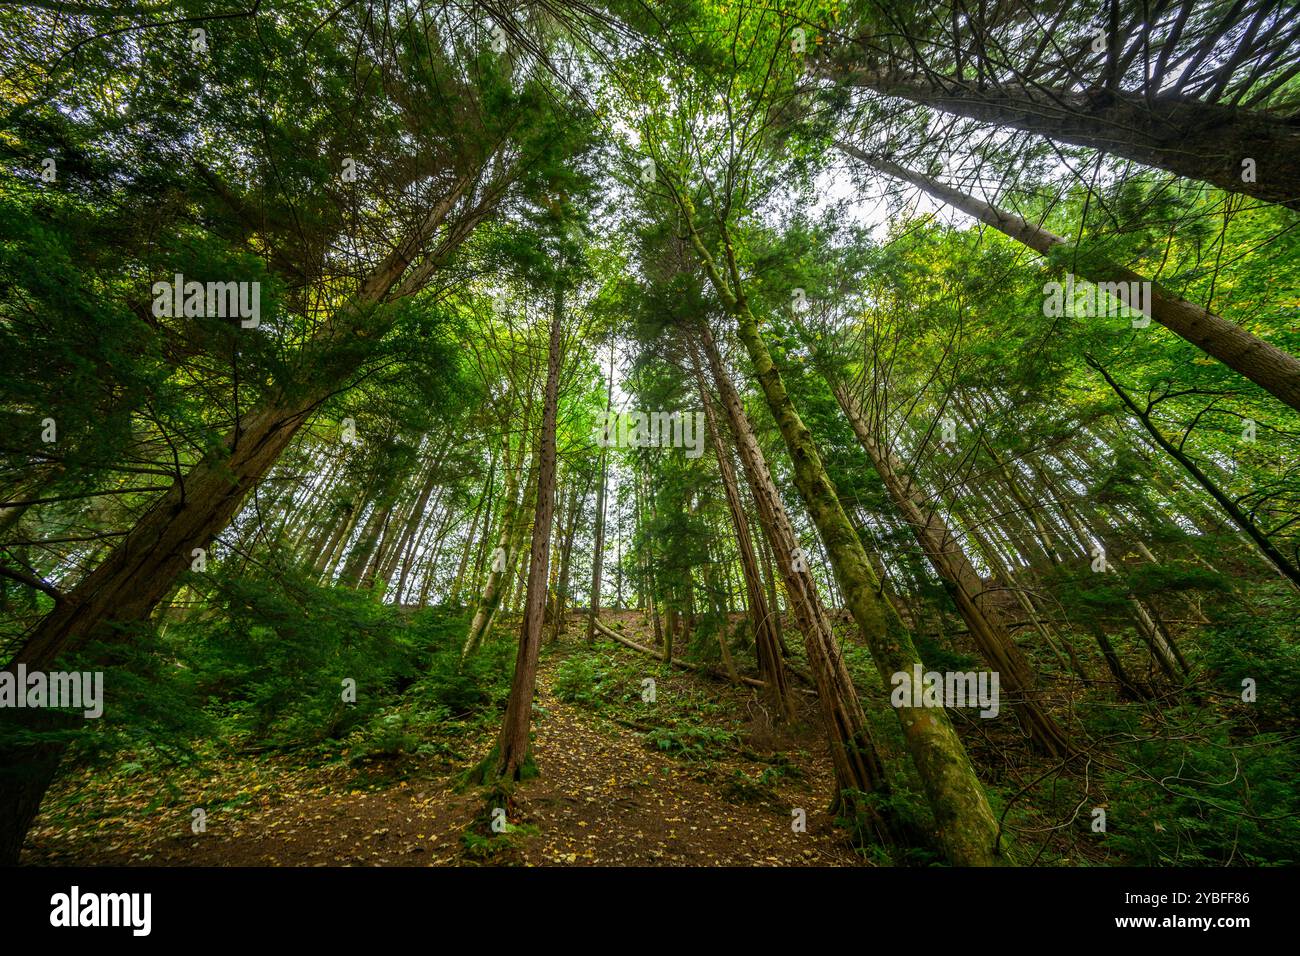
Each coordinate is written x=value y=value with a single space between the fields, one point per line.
x=698 y=782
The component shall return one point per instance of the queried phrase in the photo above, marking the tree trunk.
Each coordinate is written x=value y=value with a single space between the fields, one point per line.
x=405 y=544
x=718 y=605
x=1204 y=141
x=984 y=622
x=354 y=569
x=598 y=554
x=512 y=746
x=1272 y=369
x=771 y=666
x=144 y=566
x=961 y=810
x=858 y=766
x=566 y=554
x=126 y=586
x=509 y=538
x=459 y=579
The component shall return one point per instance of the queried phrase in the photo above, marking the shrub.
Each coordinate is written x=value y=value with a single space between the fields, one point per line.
x=581 y=679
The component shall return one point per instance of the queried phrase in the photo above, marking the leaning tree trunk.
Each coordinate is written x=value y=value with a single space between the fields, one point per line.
x=1272 y=369
x=718 y=605
x=773 y=599
x=138 y=573
x=354 y=568
x=405 y=550
x=509 y=539
x=331 y=519
x=328 y=559
x=126 y=586
x=983 y=621
x=857 y=763
x=1204 y=141
x=767 y=645
x=458 y=579
x=1129 y=688
x=967 y=830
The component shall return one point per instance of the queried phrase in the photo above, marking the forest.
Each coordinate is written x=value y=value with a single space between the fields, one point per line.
x=830 y=433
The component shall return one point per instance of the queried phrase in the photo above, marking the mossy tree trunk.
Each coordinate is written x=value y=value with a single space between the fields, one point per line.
x=771 y=665
x=857 y=763
x=944 y=552
x=966 y=827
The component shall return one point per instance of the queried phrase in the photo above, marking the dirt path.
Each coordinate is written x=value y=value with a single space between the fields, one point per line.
x=603 y=797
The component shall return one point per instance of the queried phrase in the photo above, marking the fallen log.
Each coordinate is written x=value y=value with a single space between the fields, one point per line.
x=685 y=665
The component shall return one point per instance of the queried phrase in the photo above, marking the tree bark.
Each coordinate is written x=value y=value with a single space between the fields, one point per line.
x=1268 y=366
x=509 y=540
x=127 y=585
x=459 y=579
x=857 y=763
x=967 y=829
x=512 y=745
x=1203 y=141
x=598 y=554
x=405 y=544
x=941 y=547
x=771 y=666
x=566 y=555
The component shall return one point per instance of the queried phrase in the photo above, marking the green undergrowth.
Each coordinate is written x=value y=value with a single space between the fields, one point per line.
x=321 y=676
x=674 y=714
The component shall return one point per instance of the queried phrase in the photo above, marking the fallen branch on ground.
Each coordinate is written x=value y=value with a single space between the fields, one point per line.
x=685 y=665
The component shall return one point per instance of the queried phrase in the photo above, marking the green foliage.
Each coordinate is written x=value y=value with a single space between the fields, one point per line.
x=691 y=742
x=1192 y=796
x=151 y=706
x=489 y=184
x=489 y=848
x=703 y=647
x=1258 y=645
x=389 y=735
x=461 y=689
x=275 y=660
x=271 y=667
x=741 y=787
x=908 y=815
x=581 y=679
x=937 y=656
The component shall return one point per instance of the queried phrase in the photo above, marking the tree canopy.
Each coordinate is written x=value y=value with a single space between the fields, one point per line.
x=879 y=415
